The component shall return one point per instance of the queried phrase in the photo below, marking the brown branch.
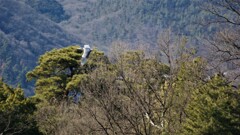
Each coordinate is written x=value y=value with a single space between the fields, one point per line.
x=96 y=119
x=231 y=8
x=227 y=20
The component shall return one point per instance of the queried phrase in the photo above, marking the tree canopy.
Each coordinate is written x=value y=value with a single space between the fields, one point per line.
x=16 y=111
x=214 y=109
x=57 y=69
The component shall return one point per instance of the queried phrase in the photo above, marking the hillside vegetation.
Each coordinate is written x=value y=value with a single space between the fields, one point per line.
x=32 y=27
x=127 y=93
x=138 y=21
x=24 y=35
x=148 y=83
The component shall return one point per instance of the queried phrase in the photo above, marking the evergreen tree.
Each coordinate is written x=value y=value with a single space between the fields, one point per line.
x=57 y=68
x=57 y=77
x=16 y=111
x=214 y=109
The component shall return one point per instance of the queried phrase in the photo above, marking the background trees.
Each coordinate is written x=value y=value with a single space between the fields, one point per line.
x=224 y=44
x=213 y=108
x=223 y=11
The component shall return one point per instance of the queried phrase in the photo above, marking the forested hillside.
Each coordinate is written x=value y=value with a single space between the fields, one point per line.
x=31 y=27
x=28 y=28
x=24 y=35
x=138 y=21
x=153 y=81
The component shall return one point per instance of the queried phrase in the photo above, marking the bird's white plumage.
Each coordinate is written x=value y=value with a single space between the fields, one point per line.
x=86 y=52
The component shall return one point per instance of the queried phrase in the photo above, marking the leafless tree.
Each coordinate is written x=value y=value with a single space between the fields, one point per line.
x=132 y=96
x=223 y=11
x=225 y=44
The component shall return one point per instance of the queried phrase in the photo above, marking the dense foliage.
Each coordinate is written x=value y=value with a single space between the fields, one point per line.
x=104 y=21
x=58 y=68
x=26 y=34
x=162 y=89
x=214 y=109
x=50 y=8
x=16 y=112
x=134 y=94
x=46 y=24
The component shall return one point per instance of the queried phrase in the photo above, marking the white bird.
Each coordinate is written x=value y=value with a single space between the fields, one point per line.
x=86 y=52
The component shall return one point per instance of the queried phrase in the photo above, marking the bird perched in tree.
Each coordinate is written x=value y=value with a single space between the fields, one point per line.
x=86 y=52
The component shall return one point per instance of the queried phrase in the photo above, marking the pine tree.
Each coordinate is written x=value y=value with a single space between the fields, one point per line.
x=59 y=67
x=16 y=111
x=214 y=109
